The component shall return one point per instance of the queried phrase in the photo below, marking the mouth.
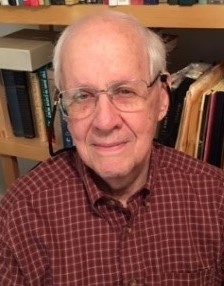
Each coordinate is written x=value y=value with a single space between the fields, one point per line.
x=109 y=147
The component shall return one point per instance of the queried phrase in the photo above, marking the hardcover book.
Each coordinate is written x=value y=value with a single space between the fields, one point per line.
x=5 y=125
x=36 y=105
x=217 y=131
x=12 y=103
x=18 y=103
x=27 y=49
x=188 y=131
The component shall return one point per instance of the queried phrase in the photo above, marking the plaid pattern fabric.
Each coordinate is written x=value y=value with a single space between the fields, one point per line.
x=57 y=228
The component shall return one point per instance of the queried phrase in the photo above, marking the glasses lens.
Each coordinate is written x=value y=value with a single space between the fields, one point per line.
x=78 y=103
x=130 y=96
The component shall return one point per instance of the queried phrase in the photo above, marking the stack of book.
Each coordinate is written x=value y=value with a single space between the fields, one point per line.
x=27 y=86
x=195 y=122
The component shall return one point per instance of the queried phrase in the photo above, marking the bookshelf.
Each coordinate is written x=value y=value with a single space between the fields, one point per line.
x=163 y=15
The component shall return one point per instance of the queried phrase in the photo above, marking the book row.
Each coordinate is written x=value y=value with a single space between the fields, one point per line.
x=195 y=121
x=29 y=98
x=36 y=3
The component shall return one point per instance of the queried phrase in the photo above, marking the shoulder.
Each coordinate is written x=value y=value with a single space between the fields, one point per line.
x=48 y=175
x=173 y=161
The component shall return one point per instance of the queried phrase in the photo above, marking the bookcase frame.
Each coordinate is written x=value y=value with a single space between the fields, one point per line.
x=156 y=16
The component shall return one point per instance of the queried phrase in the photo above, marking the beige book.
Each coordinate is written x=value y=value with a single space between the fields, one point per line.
x=36 y=105
x=5 y=125
x=27 y=49
x=71 y=2
x=186 y=141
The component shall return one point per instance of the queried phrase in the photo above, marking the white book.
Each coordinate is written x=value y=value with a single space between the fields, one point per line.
x=26 y=50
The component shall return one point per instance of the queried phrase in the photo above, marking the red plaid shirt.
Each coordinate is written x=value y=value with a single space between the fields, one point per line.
x=57 y=228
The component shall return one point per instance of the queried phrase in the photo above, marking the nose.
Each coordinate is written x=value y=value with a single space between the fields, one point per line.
x=106 y=115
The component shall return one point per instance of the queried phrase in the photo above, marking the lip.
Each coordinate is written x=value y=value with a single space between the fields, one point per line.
x=109 y=147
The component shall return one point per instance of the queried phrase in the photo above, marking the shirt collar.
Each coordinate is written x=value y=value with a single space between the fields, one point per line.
x=92 y=183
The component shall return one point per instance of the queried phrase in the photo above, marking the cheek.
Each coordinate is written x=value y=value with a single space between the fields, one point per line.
x=143 y=126
x=78 y=131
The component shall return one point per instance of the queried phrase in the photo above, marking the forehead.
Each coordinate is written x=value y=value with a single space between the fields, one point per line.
x=104 y=45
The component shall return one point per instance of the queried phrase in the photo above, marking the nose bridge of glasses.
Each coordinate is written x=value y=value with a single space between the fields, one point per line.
x=107 y=92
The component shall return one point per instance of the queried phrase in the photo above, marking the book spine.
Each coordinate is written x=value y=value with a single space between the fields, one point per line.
x=5 y=125
x=4 y=2
x=37 y=107
x=66 y=135
x=217 y=132
x=24 y=103
x=123 y=2
x=151 y=2
x=57 y=122
x=137 y=2
x=202 y=126
x=33 y=3
x=209 y=127
x=45 y=94
x=57 y=2
x=12 y=2
x=12 y=103
x=112 y=2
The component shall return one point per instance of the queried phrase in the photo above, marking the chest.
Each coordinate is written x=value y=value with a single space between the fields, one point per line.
x=157 y=244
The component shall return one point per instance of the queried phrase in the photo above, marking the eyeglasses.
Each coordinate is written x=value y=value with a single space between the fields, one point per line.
x=126 y=96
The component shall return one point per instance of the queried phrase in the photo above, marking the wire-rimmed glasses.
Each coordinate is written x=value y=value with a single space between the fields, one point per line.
x=126 y=96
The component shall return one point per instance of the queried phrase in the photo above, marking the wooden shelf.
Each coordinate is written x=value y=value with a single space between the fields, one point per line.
x=24 y=148
x=163 y=15
x=155 y=16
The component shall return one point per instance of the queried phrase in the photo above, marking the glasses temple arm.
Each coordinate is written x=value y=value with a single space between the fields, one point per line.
x=50 y=128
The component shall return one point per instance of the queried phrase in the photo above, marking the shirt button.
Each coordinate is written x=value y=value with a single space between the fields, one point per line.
x=111 y=202
x=147 y=204
x=132 y=282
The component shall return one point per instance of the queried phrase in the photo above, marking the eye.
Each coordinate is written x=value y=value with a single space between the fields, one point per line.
x=124 y=91
x=82 y=95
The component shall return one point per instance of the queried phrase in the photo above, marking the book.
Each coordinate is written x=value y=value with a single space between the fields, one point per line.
x=18 y=103
x=62 y=136
x=57 y=2
x=5 y=125
x=217 y=131
x=123 y=2
x=112 y=2
x=45 y=94
x=210 y=123
x=150 y=2
x=57 y=129
x=27 y=49
x=4 y=2
x=12 y=103
x=24 y=103
x=172 y=2
x=71 y=2
x=37 y=106
x=187 y=132
x=181 y=81
x=32 y=3
x=137 y=2
x=202 y=126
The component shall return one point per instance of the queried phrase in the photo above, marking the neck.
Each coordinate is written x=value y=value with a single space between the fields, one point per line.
x=122 y=188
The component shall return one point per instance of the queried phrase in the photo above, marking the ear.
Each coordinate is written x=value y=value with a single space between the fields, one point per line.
x=164 y=95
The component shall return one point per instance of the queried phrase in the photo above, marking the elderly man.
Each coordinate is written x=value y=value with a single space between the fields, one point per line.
x=118 y=209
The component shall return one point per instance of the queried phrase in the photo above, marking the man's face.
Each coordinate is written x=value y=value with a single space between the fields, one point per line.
x=114 y=144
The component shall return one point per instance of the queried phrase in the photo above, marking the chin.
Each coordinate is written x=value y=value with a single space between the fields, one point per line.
x=112 y=171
